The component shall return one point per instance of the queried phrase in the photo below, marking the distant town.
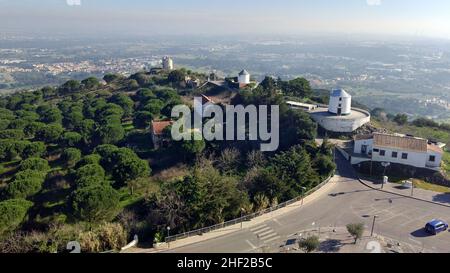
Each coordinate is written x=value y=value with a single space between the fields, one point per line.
x=399 y=77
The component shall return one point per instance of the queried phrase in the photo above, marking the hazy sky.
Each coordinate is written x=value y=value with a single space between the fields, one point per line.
x=146 y=17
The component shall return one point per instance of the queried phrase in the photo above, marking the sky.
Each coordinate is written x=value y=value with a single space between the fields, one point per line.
x=422 y=18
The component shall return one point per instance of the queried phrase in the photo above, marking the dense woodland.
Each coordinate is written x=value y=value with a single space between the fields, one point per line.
x=78 y=164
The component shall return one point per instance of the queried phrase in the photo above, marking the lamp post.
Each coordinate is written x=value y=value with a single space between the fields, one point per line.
x=303 y=194
x=385 y=165
x=242 y=220
x=168 y=235
x=373 y=224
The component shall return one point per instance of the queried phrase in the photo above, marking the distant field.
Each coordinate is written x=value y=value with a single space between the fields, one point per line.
x=446 y=163
x=424 y=132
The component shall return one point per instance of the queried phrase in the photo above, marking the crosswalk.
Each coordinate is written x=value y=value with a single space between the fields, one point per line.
x=265 y=234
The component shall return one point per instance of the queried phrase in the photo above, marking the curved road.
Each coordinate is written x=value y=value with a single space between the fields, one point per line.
x=348 y=201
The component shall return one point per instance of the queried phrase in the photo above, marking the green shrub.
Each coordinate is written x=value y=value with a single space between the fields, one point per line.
x=34 y=163
x=12 y=213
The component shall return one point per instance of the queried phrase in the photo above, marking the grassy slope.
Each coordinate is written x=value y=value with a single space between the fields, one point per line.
x=424 y=132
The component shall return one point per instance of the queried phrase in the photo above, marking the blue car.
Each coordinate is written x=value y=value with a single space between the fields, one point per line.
x=436 y=226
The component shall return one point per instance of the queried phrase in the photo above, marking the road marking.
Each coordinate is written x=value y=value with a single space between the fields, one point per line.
x=384 y=220
x=262 y=230
x=265 y=233
x=257 y=228
x=415 y=241
x=250 y=244
x=265 y=237
x=272 y=239
x=278 y=222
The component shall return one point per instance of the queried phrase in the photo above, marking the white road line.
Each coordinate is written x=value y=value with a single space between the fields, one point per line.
x=272 y=239
x=262 y=230
x=257 y=228
x=384 y=220
x=278 y=222
x=264 y=238
x=265 y=233
x=250 y=244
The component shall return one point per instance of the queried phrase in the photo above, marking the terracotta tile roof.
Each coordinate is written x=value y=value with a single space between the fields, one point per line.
x=400 y=142
x=206 y=99
x=159 y=126
x=435 y=148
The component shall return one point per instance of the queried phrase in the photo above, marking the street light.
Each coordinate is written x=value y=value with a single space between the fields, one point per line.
x=168 y=235
x=385 y=165
x=303 y=194
x=242 y=220
x=373 y=224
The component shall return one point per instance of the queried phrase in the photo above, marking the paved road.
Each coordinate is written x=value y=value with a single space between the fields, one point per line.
x=349 y=201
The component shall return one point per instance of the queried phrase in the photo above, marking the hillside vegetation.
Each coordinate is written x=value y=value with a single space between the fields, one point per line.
x=77 y=164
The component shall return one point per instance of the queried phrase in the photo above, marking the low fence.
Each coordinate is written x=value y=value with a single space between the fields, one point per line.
x=244 y=218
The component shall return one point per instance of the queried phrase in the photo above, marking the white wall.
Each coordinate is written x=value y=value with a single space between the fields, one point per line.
x=245 y=79
x=341 y=125
x=346 y=105
x=415 y=159
x=437 y=162
x=359 y=143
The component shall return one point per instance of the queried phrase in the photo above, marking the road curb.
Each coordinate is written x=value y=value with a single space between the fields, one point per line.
x=399 y=194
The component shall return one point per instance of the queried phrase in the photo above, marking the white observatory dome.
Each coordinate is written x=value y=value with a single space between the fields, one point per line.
x=340 y=102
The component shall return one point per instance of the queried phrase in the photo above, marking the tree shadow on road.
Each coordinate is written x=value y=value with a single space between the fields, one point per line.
x=442 y=198
x=335 y=194
x=331 y=246
x=420 y=233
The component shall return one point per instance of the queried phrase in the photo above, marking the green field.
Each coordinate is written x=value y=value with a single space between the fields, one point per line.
x=424 y=132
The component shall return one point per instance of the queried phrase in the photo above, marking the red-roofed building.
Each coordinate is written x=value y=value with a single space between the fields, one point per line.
x=157 y=132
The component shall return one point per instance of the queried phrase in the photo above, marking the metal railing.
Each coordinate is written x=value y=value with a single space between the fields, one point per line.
x=245 y=218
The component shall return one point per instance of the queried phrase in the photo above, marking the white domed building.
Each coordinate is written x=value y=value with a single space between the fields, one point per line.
x=244 y=77
x=339 y=116
x=340 y=102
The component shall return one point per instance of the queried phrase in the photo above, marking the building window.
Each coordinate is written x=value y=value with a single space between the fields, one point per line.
x=432 y=158
x=376 y=150
x=404 y=156
x=340 y=99
x=394 y=154
x=382 y=152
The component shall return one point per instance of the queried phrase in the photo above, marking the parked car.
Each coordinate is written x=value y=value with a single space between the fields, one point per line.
x=436 y=226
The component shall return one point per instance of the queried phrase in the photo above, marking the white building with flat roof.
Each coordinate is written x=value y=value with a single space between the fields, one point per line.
x=396 y=148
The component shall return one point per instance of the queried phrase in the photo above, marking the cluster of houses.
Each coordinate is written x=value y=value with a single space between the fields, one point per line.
x=339 y=117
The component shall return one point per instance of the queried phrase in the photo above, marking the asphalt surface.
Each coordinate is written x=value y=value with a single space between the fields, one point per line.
x=399 y=218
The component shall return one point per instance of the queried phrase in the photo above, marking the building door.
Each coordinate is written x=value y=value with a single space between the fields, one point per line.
x=364 y=149
x=339 y=112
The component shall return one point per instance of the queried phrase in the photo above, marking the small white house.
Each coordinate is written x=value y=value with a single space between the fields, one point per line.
x=396 y=148
x=340 y=102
